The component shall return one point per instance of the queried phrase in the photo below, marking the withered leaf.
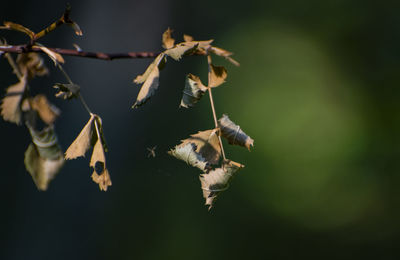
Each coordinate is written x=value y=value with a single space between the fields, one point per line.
x=224 y=53
x=67 y=91
x=218 y=76
x=11 y=103
x=217 y=180
x=43 y=158
x=100 y=174
x=83 y=142
x=18 y=27
x=199 y=150
x=193 y=91
x=167 y=41
x=181 y=49
x=187 y=38
x=103 y=179
x=150 y=80
x=47 y=112
x=233 y=133
x=54 y=56
x=187 y=153
x=32 y=64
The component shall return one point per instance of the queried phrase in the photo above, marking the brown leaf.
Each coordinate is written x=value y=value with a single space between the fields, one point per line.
x=187 y=38
x=150 y=80
x=11 y=103
x=181 y=49
x=168 y=41
x=217 y=180
x=32 y=64
x=83 y=142
x=98 y=162
x=53 y=55
x=43 y=158
x=103 y=179
x=47 y=112
x=193 y=91
x=233 y=133
x=224 y=53
x=18 y=27
x=218 y=76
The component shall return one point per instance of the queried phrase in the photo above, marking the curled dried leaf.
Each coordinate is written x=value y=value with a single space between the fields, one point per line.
x=150 y=80
x=11 y=103
x=218 y=76
x=193 y=91
x=43 y=158
x=217 y=180
x=31 y=64
x=103 y=179
x=20 y=28
x=83 y=142
x=233 y=133
x=98 y=162
x=47 y=112
x=167 y=41
x=224 y=53
x=67 y=91
x=187 y=153
x=183 y=48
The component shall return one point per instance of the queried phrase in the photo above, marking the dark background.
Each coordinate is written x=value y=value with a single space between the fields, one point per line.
x=318 y=90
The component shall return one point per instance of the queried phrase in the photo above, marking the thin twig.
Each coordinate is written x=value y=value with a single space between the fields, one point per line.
x=212 y=104
x=71 y=52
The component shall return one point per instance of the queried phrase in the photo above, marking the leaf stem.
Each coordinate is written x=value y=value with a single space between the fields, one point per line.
x=209 y=60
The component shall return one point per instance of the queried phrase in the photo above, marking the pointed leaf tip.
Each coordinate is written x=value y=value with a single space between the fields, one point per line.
x=167 y=40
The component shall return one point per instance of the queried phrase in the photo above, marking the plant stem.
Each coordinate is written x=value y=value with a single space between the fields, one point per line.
x=212 y=104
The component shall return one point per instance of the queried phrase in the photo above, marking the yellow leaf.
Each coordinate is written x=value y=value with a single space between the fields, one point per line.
x=11 y=104
x=217 y=180
x=83 y=142
x=98 y=154
x=167 y=40
x=53 y=55
x=18 y=27
x=47 y=112
x=233 y=133
x=218 y=76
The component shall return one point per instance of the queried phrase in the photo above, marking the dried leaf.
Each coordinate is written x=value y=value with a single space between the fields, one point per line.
x=224 y=53
x=83 y=142
x=21 y=28
x=218 y=76
x=187 y=38
x=193 y=91
x=207 y=145
x=150 y=80
x=98 y=162
x=53 y=55
x=43 y=158
x=217 y=180
x=181 y=49
x=103 y=179
x=32 y=64
x=168 y=41
x=67 y=91
x=187 y=153
x=11 y=103
x=199 y=150
x=233 y=133
x=47 y=112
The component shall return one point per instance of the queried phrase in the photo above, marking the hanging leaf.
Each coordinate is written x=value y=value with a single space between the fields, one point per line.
x=224 y=53
x=11 y=103
x=233 y=133
x=67 y=91
x=218 y=76
x=217 y=180
x=53 y=55
x=83 y=142
x=31 y=64
x=20 y=28
x=193 y=91
x=167 y=40
x=150 y=80
x=183 y=48
x=43 y=158
x=47 y=112
x=199 y=150
x=100 y=174
x=187 y=153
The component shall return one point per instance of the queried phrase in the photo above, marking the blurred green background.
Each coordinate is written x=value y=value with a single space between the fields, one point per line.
x=317 y=89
